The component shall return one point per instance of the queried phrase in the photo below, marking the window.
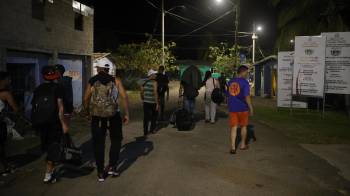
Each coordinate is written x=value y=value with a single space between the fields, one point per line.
x=79 y=22
x=38 y=9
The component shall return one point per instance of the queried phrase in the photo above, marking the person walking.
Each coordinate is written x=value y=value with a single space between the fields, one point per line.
x=163 y=88
x=6 y=99
x=239 y=105
x=48 y=117
x=101 y=105
x=188 y=94
x=66 y=85
x=210 y=84
x=149 y=96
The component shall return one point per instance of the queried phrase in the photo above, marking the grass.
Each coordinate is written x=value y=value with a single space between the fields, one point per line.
x=306 y=126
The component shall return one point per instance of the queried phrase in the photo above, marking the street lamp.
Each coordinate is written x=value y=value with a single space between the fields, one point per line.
x=254 y=38
x=235 y=4
x=163 y=28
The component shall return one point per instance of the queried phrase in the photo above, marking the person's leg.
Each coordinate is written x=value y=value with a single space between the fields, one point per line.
x=243 y=121
x=116 y=136
x=153 y=116
x=192 y=106
x=186 y=104
x=233 y=125
x=98 y=131
x=212 y=112
x=146 y=118
x=3 y=160
x=207 y=111
x=243 y=137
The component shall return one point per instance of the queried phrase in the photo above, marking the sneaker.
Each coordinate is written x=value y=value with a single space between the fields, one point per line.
x=49 y=178
x=113 y=172
x=101 y=177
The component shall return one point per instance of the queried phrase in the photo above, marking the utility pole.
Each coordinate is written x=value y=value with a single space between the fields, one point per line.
x=254 y=37
x=163 y=34
x=236 y=9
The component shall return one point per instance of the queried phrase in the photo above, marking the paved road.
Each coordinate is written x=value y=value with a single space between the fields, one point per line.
x=173 y=163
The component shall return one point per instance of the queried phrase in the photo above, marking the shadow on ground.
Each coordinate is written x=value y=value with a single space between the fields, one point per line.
x=132 y=151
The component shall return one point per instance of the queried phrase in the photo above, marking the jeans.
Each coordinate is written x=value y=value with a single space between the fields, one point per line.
x=149 y=117
x=189 y=105
x=99 y=127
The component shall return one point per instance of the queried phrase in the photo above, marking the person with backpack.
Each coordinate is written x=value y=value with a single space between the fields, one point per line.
x=66 y=85
x=101 y=105
x=188 y=94
x=48 y=116
x=149 y=96
x=163 y=87
x=239 y=105
x=6 y=99
x=210 y=84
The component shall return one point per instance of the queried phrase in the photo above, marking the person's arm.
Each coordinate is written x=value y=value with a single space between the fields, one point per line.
x=248 y=99
x=61 y=115
x=87 y=98
x=142 y=92
x=11 y=101
x=124 y=95
x=155 y=91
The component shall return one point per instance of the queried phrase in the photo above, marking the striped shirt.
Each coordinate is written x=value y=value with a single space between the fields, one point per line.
x=148 y=90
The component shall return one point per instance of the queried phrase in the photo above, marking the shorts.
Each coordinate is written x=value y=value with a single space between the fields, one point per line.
x=239 y=119
x=50 y=134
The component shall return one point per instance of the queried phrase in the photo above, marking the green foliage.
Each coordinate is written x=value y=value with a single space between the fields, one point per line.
x=224 y=58
x=143 y=56
x=309 y=17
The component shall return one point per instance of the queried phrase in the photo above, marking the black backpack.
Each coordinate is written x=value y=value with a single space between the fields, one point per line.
x=190 y=92
x=66 y=83
x=44 y=105
x=184 y=120
x=217 y=96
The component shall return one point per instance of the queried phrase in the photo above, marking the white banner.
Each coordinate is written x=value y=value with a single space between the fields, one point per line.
x=337 y=62
x=309 y=66
x=285 y=81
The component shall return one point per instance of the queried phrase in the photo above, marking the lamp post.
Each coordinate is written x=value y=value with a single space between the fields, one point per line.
x=254 y=38
x=163 y=28
x=236 y=10
x=163 y=34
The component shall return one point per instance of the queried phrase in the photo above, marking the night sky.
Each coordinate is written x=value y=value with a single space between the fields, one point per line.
x=128 y=21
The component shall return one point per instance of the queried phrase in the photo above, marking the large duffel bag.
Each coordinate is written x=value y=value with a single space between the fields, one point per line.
x=182 y=119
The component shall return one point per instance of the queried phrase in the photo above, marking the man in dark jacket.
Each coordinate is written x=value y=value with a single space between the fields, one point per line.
x=163 y=87
x=67 y=87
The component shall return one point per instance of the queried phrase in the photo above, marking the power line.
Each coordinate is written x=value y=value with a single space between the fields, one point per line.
x=205 y=25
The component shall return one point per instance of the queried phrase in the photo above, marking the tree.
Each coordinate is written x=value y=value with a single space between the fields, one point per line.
x=143 y=56
x=224 y=57
x=309 y=17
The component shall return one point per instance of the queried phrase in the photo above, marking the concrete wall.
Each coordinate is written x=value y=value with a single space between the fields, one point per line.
x=54 y=35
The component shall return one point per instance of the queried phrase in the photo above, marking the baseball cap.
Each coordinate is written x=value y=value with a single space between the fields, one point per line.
x=49 y=73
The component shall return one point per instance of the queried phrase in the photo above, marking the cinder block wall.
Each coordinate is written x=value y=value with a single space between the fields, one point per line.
x=55 y=34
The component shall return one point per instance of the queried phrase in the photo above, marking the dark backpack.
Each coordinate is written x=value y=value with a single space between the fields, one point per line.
x=217 y=96
x=44 y=105
x=183 y=120
x=190 y=92
x=66 y=83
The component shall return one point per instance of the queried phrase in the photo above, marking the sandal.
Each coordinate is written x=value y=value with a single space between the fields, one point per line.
x=233 y=151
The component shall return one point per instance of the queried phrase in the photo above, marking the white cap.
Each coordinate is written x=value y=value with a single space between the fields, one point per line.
x=151 y=72
x=102 y=66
